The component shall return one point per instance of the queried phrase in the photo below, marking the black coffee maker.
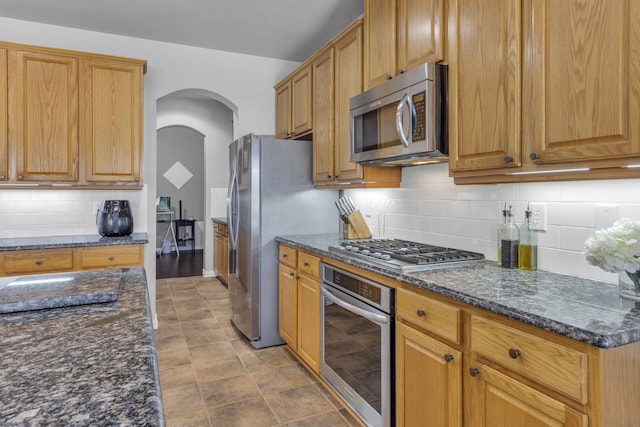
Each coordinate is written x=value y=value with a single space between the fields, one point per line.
x=114 y=218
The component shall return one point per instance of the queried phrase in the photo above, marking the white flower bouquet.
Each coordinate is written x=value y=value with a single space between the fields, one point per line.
x=617 y=248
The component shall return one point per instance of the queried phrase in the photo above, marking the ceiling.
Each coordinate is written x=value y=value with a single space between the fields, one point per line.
x=282 y=29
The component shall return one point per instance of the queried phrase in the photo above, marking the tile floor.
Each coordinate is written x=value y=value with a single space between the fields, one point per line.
x=210 y=375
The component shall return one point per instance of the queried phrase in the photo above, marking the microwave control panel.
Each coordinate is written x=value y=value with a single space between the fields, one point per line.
x=419 y=103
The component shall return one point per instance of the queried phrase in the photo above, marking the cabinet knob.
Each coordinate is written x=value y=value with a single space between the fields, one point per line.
x=110 y=258
x=328 y=176
x=534 y=156
x=474 y=372
x=335 y=177
x=508 y=159
x=306 y=264
x=1 y=176
x=291 y=275
x=421 y=313
x=448 y=358
x=285 y=256
x=38 y=262
x=389 y=77
x=20 y=177
x=400 y=71
x=514 y=353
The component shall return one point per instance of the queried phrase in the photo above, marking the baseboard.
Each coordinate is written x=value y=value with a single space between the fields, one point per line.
x=209 y=273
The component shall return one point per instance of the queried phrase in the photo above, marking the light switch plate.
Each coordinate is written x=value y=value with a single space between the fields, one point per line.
x=606 y=215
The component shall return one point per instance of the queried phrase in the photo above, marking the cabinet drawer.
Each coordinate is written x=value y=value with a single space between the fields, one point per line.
x=308 y=264
x=288 y=256
x=429 y=314
x=554 y=365
x=34 y=262
x=111 y=257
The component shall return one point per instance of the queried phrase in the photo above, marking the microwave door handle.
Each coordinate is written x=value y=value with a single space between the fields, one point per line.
x=407 y=138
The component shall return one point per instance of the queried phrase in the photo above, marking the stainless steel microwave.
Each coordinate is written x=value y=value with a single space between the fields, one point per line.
x=402 y=121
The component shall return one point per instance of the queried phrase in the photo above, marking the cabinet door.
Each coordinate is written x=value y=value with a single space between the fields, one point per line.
x=428 y=379
x=301 y=109
x=283 y=110
x=218 y=242
x=323 y=117
x=288 y=306
x=112 y=120
x=4 y=113
x=581 y=86
x=309 y=321
x=484 y=84
x=379 y=41
x=497 y=400
x=420 y=28
x=348 y=78
x=43 y=99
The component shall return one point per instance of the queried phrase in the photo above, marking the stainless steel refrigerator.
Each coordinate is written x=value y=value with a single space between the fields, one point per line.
x=270 y=193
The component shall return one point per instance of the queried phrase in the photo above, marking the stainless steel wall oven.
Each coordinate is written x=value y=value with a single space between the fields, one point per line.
x=357 y=342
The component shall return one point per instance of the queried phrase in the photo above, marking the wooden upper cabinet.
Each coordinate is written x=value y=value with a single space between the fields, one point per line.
x=420 y=35
x=301 y=107
x=400 y=35
x=4 y=114
x=348 y=82
x=582 y=85
x=379 y=41
x=283 y=110
x=484 y=84
x=323 y=116
x=43 y=127
x=112 y=120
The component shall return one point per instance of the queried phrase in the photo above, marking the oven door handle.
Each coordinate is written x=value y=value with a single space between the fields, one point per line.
x=375 y=318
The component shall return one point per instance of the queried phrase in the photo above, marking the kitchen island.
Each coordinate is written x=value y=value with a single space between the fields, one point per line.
x=92 y=364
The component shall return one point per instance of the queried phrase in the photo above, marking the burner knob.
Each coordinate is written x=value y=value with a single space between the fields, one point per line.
x=365 y=251
x=377 y=254
x=386 y=256
x=348 y=247
x=355 y=249
x=403 y=249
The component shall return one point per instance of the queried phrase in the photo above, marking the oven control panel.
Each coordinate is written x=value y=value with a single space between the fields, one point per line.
x=373 y=293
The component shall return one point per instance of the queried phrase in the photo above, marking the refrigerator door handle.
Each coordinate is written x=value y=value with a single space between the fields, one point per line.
x=232 y=214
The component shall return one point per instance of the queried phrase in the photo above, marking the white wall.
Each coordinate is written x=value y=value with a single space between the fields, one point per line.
x=430 y=208
x=244 y=82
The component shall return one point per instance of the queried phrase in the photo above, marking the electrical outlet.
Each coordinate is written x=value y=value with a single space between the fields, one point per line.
x=539 y=215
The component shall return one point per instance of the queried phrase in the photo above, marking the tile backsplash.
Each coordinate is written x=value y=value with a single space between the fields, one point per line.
x=33 y=213
x=430 y=208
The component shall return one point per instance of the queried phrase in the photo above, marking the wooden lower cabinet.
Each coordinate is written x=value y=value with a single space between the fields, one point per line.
x=496 y=400
x=40 y=261
x=428 y=380
x=299 y=304
x=221 y=252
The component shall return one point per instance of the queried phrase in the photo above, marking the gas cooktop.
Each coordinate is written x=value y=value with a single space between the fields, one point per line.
x=402 y=255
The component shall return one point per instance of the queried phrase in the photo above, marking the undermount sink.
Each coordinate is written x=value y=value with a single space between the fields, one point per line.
x=42 y=291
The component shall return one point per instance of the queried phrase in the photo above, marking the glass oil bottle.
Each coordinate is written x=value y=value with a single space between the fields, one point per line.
x=510 y=241
x=503 y=224
x=528 y=249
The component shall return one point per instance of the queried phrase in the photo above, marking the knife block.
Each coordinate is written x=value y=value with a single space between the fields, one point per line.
x=357 y=227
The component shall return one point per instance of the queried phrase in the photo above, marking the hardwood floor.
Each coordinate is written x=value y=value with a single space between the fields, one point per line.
x=188 y=264
x=211 y=377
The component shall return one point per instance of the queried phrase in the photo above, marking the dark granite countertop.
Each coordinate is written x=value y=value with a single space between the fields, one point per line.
x=582 y=309
x=222 y=221
x=56 y=242
x=84 y=365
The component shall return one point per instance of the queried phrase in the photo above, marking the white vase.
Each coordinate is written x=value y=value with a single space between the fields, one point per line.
x=629 y=285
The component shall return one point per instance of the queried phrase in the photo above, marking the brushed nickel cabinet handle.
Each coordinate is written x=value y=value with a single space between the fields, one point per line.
x=514 y=353
x=421 y=313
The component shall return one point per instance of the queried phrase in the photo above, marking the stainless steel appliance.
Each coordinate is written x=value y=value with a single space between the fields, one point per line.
x=114 y=218
x=402 y=121
x=402 y=255
x=270 y=193
x=357 y=339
